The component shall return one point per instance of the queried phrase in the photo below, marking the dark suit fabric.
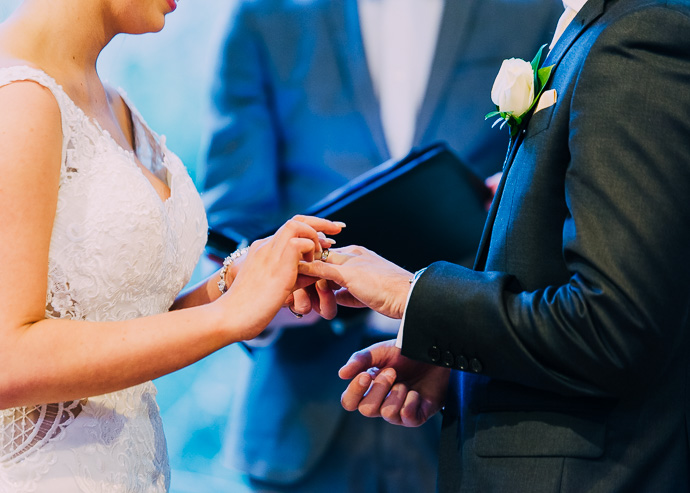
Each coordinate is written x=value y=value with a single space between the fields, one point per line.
x=573 y=329
x=295 y=117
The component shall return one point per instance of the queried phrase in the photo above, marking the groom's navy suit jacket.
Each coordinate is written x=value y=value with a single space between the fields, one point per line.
x=296 y=117
x=573 y=331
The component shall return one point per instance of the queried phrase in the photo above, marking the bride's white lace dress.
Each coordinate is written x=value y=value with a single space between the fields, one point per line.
x=117 y=252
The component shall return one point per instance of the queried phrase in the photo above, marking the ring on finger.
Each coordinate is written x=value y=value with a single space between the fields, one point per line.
x=325 y=254
x=297 y=315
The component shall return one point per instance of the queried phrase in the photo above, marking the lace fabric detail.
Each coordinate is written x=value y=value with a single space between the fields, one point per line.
x=25 y=428
x=117 y=252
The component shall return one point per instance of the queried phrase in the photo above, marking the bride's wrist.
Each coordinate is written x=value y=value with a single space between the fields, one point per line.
x=227 y=273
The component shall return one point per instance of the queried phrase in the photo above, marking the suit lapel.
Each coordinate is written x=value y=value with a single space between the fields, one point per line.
x=454 y=25
x=588 y=14
x=483 y=249
x=342 y=20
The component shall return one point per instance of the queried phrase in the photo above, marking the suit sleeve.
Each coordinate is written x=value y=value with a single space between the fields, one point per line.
x=623 y=312
x=241 y=170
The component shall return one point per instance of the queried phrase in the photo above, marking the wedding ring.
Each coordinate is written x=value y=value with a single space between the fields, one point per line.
x=297 y=315
x=324 y=255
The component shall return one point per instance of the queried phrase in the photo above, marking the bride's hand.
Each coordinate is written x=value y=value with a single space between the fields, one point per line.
x=268 y=275
x=316 y=296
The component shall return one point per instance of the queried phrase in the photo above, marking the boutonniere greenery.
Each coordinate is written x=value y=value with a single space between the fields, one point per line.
x=516 y=89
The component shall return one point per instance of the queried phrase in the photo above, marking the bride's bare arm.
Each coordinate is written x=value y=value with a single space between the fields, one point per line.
x=45 y=360
x=205 y=291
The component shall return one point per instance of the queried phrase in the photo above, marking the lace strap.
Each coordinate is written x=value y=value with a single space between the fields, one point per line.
x=18 y=73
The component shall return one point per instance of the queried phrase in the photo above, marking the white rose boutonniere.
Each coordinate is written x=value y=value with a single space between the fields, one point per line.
x=516 y=89
x=513 y=89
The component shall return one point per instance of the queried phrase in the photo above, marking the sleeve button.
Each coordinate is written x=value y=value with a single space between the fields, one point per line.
x=476 y=366
x=448 y=359
x=461 y=363
x=434 y=354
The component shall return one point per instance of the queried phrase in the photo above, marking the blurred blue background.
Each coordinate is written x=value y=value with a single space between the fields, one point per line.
x=167 y=76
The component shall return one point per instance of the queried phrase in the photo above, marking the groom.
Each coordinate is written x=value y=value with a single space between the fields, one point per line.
x=562 y=360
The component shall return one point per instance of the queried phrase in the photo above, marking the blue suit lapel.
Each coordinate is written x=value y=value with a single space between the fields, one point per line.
x=342 y=19
x=454 y=25
x=587 y=15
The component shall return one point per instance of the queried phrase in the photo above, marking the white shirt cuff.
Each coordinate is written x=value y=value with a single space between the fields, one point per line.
x=399 y=339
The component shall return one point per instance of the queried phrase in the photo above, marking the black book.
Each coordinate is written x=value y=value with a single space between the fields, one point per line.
x=426 y=207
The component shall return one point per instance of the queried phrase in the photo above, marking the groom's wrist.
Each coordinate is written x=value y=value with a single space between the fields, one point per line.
x=413 y=282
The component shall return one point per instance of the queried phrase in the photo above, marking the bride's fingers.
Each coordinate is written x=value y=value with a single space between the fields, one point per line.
x=319 y=224
x=294 y=229
x=326 y=243
x=305 y=249
x=301 y=303
x=325 y=300
x=314 y=225
x=304 y=281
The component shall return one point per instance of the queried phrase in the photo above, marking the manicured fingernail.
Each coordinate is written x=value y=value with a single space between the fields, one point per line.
x=340 y=223
x=330 y=241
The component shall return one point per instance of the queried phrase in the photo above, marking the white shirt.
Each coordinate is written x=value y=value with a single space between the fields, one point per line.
x=399 y=42
x=572 y=7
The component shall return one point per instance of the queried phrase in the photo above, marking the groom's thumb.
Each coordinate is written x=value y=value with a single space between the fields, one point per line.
x=358 y=362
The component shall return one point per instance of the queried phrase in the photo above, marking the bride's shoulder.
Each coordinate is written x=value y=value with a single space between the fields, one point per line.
x=8 y=61
x=24 y=80
x=18 y=72
x=25 y=90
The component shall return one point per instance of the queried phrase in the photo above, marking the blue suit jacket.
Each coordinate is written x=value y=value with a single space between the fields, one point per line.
x=573 y=332
x=295 y=117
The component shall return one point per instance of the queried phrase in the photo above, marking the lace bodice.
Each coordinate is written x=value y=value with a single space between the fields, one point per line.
x=117 y=252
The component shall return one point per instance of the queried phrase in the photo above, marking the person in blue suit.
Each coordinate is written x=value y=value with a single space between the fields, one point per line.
x=301 y=105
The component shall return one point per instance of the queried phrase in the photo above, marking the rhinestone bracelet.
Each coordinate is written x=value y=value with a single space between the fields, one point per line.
x=222 y=286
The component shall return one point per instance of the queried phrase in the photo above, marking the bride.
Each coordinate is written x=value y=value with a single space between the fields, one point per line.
x=100 y=229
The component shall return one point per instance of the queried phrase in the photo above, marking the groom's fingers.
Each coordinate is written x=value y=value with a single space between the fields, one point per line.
x=344 y=298
x=323 y=270
x=337 y=256
x=355 y=391
x=371 y=403
x=411 y=413
x=390 y=410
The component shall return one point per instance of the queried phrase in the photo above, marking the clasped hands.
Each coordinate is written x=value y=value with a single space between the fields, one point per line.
x=383 y=382
x=291 y=269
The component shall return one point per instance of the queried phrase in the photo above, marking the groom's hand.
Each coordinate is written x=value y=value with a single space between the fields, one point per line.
x=366 y=279
x=389 y=385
